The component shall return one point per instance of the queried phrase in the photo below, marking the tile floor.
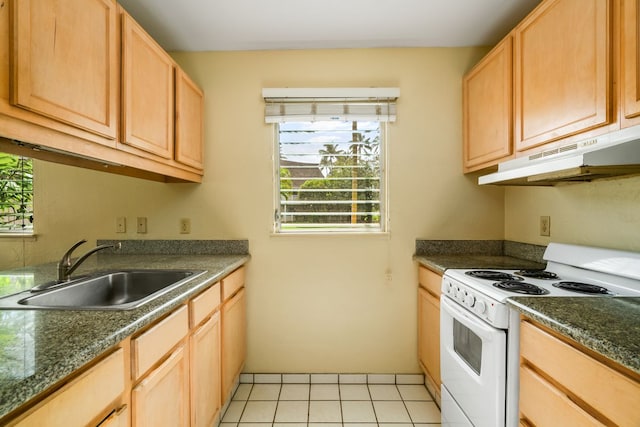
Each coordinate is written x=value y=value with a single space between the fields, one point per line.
x=336 y=404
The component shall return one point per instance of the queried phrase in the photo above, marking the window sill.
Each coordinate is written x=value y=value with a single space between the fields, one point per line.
x=19 y=236
x=341 y=234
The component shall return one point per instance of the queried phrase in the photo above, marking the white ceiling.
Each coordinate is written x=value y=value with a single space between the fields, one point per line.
x=200 y=25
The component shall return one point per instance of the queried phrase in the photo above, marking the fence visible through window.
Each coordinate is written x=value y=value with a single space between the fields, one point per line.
x=16 y=194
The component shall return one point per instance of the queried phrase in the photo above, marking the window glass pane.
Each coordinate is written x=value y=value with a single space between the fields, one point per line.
x=16 y=194
x=330 y=176
x=468 y=345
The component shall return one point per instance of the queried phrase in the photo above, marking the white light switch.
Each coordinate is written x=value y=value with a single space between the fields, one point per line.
x=142 y=224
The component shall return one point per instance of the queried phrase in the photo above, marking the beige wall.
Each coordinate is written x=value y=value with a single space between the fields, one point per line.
x=316 y=304
x=603 y=213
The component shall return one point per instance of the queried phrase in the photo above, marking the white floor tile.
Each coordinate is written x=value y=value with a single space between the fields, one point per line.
x=325 y=424
x=246 y=378
x=364 y=425
x=259 y=412
x=423 y=412
x=234 y=411
x=254 y=425
x=391 y=412
x=393 y=424
x=381 y=379
x=384 y=392
x=358 y=412
x=294 y=392
x=354 y=392
x=267 y=378
x=242 y=393
x=409 y=379
x=324 y=378
x=352 y=378
x=228 y=425
x=292 y=411
x=414 y=392
x=325 y=392
x=296 y=378
x=289 y=424
x=425 y=425
x=265 y=392
x=325 y=412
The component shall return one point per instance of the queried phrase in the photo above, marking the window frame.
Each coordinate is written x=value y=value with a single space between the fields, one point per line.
x=384 y=224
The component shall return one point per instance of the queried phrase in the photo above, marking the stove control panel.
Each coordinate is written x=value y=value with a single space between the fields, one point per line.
x=488 y=309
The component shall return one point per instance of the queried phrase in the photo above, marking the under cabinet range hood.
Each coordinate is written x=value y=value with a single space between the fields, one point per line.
x=614 y=154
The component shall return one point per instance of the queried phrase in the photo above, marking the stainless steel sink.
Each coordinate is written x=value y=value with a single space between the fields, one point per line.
x=114 y=290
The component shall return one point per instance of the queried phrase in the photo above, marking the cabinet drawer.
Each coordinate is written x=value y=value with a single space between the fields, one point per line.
x=544 y=405
x=232 y=283
x=204 y=304
x=606 y=390
x=84 y=398
x=154 y=343
x=430 y=280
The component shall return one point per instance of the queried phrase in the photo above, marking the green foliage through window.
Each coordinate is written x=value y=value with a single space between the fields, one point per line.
x=16 y=194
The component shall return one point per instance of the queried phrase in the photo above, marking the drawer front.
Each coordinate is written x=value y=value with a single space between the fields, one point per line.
x=84 y=398
x=430 y=280
x=544 y=405
x=153 y=344
x=204 y=304
x=606 y=390
x=232 y=283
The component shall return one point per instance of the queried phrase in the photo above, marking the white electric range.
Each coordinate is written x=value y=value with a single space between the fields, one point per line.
x=480 y=333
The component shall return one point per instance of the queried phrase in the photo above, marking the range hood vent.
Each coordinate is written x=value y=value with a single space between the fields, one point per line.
x=607 y=156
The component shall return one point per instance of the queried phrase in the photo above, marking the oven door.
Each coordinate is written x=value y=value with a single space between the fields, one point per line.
x=473 y=365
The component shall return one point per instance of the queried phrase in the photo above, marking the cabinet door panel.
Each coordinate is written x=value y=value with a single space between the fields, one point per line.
x=429 y=334
x=161 y=399
x=562 y=71
x=205 y=373
x=488 y=109
x=189 y=121
x=65 y=62
x=148 y=74
x=233 y=340
x=630 y=43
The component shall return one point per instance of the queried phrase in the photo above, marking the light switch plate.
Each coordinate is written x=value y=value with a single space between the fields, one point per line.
x=142 y=224
x=185 y=226
x=545 y=226
x=121 y=224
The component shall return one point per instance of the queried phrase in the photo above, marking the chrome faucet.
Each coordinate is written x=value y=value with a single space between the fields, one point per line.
x=65 y=267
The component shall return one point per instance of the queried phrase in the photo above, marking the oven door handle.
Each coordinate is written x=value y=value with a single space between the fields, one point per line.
x=482 y=329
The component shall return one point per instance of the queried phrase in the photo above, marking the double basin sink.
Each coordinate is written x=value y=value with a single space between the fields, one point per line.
x=110 y=290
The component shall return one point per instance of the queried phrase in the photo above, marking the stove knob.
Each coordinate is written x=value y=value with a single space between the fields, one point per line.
x=481 y=307
x=470 y=300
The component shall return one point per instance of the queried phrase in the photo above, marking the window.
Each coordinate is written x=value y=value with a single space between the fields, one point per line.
x=330 y=170
x=330 y=176
x=16 y=194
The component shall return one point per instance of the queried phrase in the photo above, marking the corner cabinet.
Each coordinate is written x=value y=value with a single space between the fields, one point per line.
x=429 y=328
x=488 y=109
x=563 y=88
x=629 y=57
x=554 y=389
x=189 y=143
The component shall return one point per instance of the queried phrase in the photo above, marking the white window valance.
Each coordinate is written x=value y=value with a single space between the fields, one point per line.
x=336 y=104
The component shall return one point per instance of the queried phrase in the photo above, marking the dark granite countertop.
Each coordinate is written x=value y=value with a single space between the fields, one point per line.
x=607 y=325
x=440 y=263
x=38 y=348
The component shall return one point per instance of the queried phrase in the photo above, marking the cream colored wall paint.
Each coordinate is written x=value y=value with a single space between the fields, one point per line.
x=603 y=213
x=315 y=304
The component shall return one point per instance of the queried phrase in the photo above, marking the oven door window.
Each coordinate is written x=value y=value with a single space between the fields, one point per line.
x=467 y=345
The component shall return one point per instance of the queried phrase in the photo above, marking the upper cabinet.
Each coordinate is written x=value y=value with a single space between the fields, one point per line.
x=488 y=109
x=562 y=71
x=148 y=92
x=189 y=121
x=629 y=82
x=85 y=85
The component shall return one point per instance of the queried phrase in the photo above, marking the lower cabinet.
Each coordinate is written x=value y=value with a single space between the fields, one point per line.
x=563 y=385
x=429 y=328
x=162 y=399
x=234 y=346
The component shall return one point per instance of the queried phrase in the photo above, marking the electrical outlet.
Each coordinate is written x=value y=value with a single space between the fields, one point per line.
x=121 y=224
x=142 y=224
x=545 y=226
x=185 y=226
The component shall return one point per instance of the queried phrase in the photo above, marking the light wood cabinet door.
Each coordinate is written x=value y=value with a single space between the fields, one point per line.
x=189 y=121
x=429 y=334
x=148 y=92
x=65 y=62
x=234 y=346
x=161 y=399
x=119 y=418
x=629 y=56
x=562 y=71
x=488 y=109
x=205 y=373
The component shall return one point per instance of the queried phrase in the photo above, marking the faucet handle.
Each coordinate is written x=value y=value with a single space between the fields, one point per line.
x=66 y=258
